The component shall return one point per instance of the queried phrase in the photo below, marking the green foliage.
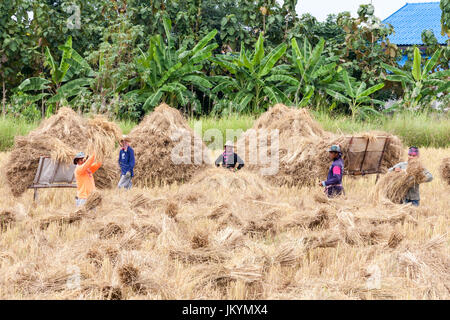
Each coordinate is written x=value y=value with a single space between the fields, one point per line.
x=356 y=95
x=310 y=73
x=252 y=84
x=70 y=78
x=420 y=84
x=119 y=76
x=170 y=75
x=18 y=45
x=366 y=45
x=445 y=16
x=430 y=46
x=114 y=65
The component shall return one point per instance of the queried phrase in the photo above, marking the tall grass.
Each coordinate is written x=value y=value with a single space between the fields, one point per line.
x=126 y=126
x=237 y=124
x=419 y=129
x=11 y=127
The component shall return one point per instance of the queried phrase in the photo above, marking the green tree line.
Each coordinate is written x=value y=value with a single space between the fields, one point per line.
x=202 y=56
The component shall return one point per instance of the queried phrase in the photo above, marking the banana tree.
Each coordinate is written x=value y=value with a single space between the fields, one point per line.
x=420 y=84
x=252 y=83
x=70 y=78
x=356 y=95
x=170 y=75
x=310 y=73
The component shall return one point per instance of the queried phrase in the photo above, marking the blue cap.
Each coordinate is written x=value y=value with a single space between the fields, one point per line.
x=334 y=148
x=79 y=155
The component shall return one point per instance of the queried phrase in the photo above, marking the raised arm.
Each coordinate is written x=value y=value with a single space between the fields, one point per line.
x=87 y=164
x=94 y=167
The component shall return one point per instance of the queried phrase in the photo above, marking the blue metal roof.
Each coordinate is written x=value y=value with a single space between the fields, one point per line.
x=410 y=20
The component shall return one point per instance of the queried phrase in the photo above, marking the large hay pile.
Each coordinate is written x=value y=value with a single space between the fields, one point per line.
x=162 y=135
x=395 y=185
x=303 y=144
x=61 y=137
x=445 y=170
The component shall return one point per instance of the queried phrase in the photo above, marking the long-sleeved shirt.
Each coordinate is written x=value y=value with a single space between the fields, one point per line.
x=84 y=174
x=413 y=192
x=126 y=160
x=229 y=160
x=334 y=178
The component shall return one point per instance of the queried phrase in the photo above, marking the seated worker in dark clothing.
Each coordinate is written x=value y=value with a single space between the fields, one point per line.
x=229 y=159
x=333 y=184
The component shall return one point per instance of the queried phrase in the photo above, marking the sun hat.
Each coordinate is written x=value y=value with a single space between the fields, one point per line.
x=79 y=155
x=229 y=143
x=125 y=138
x=334 y=148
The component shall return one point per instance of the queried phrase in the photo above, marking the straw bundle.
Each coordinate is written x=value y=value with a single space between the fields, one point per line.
x=6 y=219
x=167 y=149
x=93 y=201
x=60 y=137
x=102 y=136
x=394 y=186
x=445 y=170
x=108 y=175
x=112 y=293
x=111 y=230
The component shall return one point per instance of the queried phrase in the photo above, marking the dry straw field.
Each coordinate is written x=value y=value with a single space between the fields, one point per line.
x=225 y=235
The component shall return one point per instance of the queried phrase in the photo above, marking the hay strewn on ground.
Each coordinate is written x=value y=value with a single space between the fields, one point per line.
x=445 y=170
x=227 y=235
x=303 y=146
x=61 y=137
x=161 y=134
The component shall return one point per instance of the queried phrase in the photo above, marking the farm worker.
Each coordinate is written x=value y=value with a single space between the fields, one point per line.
x=333 y=184
x=84 y=175
x=229 y=158
x=126 y=163
x=413 y=195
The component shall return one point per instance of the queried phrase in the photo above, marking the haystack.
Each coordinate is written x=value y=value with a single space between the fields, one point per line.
x=395 y=185
x=166 y=148
x=302 y=147
x=60 y=137
x=445 y=170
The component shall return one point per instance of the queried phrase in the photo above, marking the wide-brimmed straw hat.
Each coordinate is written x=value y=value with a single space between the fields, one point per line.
x=79 y=155
x=229 y=143
x=125 y=138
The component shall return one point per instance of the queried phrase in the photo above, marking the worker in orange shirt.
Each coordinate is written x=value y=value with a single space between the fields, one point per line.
x=84 y=175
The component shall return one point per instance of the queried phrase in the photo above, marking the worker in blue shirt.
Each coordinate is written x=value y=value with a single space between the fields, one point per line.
x=126 y=163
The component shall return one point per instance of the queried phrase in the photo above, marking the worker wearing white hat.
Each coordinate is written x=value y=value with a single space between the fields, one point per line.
x=229 y=158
